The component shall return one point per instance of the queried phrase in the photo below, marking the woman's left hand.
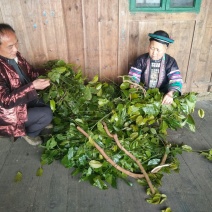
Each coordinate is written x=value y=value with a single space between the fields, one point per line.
x=168 y=98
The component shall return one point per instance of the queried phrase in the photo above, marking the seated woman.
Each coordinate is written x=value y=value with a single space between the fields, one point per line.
x=156 y=69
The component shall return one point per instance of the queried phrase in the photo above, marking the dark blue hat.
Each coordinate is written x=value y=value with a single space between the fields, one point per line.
x=161 y=39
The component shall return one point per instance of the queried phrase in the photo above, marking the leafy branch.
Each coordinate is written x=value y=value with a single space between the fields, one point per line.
x=105 y=112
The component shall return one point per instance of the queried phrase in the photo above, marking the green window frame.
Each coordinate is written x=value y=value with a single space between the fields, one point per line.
x=165 y=7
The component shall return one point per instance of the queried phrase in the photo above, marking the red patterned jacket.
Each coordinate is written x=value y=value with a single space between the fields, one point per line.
x=14 y=96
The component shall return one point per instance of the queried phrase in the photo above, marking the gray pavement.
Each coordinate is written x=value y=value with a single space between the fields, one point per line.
x=190 y=190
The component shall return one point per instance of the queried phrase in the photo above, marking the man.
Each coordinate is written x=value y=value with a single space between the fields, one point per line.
x=21 y=111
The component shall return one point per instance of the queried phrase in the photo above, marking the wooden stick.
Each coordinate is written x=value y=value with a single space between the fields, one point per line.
x=131 y=156
x=136 y=176
x=163 y=161
x=136 y=86
x=138 y=163
x=165 y=156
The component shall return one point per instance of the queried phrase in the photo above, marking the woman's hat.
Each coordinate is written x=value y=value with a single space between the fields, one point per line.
x=161 y=37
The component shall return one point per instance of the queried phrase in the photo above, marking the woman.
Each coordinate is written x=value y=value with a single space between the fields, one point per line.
x=156 y=69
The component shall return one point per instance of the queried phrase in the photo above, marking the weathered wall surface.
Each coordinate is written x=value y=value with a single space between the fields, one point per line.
x=104 y=37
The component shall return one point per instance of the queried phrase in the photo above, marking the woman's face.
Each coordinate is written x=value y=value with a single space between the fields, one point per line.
x=156 y=50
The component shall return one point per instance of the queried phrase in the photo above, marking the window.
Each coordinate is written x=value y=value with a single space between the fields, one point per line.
x=165 y=5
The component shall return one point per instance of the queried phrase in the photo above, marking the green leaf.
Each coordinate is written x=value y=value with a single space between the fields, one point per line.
x=148 y=153
x=111 y=179
x=39 y=172
x=51 y=143
x=100 y=127
x=52 y=105
x=95 y=164
x=87 y=94
x=18 y=177
x=153 y=162
x=153 y=131
x=70 y=153
x=187 y=148
x=207 y=154
x=157 y=198
x=134 y=135
x=151 y=109
x=98 y=86
x=140 y=120
x=102 y=102
x=142 y=182
x=60 y=69
x=65 y=143
x=79 y=121
x=133 y=110
x=167 y=210
x=60 y=63
x=164 y=127
x=99 y=183
x=67 y=162
x=125 y=85
x=76 y=172
x=94 y=80
x=91 y=141
x=191 y=104
x=99 y=92
x=201 y=113
x=191 y=123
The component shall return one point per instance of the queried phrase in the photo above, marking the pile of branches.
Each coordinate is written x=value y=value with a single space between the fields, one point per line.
x=104 y=131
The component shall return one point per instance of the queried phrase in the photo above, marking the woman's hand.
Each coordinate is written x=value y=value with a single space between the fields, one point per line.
x=168 y=98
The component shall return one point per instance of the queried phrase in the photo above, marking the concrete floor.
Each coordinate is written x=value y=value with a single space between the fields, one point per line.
x=190 y=190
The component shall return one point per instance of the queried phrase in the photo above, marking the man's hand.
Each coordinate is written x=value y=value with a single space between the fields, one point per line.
x=168 y=98
x=40 y=84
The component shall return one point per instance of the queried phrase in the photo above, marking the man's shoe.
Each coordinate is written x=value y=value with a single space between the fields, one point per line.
x=46 y=130
x=49 y=126
x=33 y=140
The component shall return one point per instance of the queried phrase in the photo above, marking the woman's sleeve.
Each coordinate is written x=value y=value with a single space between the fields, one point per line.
x=175 y=78
x=135 y=71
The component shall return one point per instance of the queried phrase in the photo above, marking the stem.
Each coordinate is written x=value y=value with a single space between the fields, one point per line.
x=101 y=119
x=115 y=137
x=165 y=155
x=61 y=99
x=162 y=163
x=154 y=156
x=136 y=86
x=138 y=163
x=163 y=159
x=200 y=151
x=136 y=176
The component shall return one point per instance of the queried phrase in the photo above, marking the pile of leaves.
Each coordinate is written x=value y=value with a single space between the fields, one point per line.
x=100 y=109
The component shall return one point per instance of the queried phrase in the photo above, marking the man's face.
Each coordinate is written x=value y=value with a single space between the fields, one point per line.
x=157 y=50
x=9 y=45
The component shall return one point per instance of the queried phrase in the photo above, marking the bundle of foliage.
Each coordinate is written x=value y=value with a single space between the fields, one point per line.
x=99 y=126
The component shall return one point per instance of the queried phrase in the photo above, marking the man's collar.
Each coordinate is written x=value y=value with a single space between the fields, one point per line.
x=6 y=59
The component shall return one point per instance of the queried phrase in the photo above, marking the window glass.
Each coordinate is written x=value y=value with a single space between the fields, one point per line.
x=181 y=3
x=165 y=5
x=148 y=3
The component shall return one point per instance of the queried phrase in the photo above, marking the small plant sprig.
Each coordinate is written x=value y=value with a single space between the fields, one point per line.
x=207 y=154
